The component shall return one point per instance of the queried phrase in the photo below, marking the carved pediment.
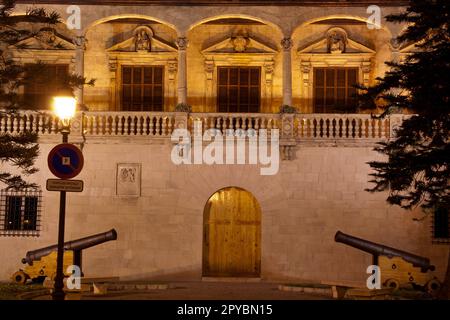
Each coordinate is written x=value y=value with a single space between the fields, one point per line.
x=335 y=41
x=46 y=39
x=239 y=44
x=143 y=40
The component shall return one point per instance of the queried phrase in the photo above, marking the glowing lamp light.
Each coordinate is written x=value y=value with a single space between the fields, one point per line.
x=64 y=107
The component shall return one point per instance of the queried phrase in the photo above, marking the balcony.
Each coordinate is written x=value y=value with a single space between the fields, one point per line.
x=315 y=129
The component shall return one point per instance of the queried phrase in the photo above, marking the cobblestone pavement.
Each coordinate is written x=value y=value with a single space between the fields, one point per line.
x=211 y=291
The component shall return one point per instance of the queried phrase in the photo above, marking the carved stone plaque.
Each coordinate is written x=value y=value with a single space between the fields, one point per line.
x=128 y=179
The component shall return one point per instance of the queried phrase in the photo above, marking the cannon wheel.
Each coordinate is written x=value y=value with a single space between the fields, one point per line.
x=20 y=277
x=433 y=286
x=392 y=283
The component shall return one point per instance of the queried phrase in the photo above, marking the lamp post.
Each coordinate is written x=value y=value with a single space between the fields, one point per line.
x=64 y=108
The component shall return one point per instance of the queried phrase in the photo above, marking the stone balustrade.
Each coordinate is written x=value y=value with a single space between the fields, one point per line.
x=42 y=123
x=152 y=124
x=235 y=121
x=341 y=126
x=294 y=128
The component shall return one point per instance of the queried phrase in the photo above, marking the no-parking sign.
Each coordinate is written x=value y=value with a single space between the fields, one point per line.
x=65 y=161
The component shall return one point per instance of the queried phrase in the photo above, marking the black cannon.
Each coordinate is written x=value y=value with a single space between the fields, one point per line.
x=397 y=267
x=42 y=262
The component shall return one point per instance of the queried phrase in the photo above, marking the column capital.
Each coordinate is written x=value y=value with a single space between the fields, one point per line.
x=182 y=43
x=79 y=42
x=394 y=44
x=287 y=43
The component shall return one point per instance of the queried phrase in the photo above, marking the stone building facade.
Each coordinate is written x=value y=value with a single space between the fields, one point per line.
x=147 y=57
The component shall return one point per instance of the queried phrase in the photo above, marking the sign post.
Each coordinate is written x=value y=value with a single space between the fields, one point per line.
x=65 y=161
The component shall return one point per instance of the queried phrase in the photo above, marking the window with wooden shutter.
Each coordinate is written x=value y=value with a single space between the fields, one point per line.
x=441 y=225
x=20 y=212
x=334 y=90
x=43 y=83
x=238 y=89
x=142 y=88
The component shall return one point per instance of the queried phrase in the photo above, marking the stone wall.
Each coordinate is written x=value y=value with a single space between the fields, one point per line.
x=160 y=232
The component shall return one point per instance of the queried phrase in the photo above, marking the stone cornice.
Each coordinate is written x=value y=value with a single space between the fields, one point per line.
x=339 y=3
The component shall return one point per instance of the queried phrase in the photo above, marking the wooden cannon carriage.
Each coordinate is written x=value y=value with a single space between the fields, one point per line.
x=41 y=263
x=398 y=268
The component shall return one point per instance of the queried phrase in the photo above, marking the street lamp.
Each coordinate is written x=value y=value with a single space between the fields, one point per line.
x=64 y=108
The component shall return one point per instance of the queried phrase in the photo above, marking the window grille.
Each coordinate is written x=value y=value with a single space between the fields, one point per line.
x=20 y=212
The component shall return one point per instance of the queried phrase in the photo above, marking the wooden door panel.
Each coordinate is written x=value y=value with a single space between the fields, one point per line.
x=232 y=233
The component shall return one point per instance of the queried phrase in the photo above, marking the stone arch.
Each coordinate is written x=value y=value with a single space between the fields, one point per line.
x=62 y=25
x=265 y=37
x=337 y=16
x=369 y=63
x=123 y=16
x=235 y=15
x=116 y=46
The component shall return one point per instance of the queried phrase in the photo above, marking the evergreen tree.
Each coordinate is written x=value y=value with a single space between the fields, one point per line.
x=416 y=172
x=20 y=150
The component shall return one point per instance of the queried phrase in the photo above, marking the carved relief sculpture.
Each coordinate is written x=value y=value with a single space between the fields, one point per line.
x=182 y=43
x=287 y=44
x=209 y=69
x=80 y=42
x=143 y=39
x=240 y=43
x=47 y=36
x=336 y=41
x=128 y=179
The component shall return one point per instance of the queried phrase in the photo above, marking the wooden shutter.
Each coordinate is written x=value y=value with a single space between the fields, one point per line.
x=238 y=89
x=44 y=83
x=13 y=213
x=142 y=88
x=441 y=223
x=30 y=213
x=333 y=89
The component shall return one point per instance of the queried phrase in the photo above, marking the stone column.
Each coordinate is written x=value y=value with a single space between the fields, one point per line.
x=182 y=43
x=287 y=43
x=80 y=46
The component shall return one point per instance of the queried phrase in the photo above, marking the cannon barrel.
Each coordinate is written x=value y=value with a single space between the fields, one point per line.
x=75 y=245
x=382 y=250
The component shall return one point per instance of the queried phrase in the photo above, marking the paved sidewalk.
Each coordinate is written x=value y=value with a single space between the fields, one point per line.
x=211 y=291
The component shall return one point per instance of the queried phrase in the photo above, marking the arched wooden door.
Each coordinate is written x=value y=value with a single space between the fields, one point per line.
x=232 y=234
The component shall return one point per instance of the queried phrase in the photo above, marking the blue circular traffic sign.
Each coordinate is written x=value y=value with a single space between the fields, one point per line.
x=65 y=161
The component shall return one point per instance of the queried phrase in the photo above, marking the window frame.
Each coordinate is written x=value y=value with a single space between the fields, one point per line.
x=152 y=85
x=5 y=197
x=324 y=108
x=248 y=86
x=37 y=92
x=440 y=240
